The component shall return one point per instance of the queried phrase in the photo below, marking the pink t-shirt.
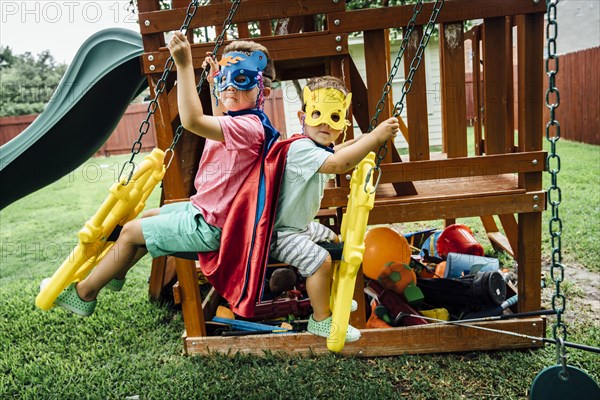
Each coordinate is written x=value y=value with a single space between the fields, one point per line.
x=225 y=165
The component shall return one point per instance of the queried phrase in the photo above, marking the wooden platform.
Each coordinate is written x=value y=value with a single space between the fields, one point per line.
x=380 y=342
x=447 y=199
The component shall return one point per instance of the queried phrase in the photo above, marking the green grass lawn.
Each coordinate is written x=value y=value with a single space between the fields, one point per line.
x=131 y=347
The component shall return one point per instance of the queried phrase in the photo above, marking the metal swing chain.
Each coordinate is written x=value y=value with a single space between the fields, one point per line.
x=557 y=270
x=388 y=85
x=153 y=105
x=382 y=152
x=218 y=42
x=131 y=7
x=162 y=82
x=416 y=61
x=407 y=86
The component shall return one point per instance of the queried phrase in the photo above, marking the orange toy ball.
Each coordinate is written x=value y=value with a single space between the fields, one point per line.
x=383 y=245
x=396 y=276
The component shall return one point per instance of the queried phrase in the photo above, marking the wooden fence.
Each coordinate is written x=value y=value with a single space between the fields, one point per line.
x=578 y=82
x=12 y=126
x=127 y=131
x=119 y=142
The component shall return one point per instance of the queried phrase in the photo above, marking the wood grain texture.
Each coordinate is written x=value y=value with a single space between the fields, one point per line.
x=378 y=342
x=292 y=47
x=454 y=105
x=453 y=10
x=416 y=103
x=249 y=10
x=495 y=95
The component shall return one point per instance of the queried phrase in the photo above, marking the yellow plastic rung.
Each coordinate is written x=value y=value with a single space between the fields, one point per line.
x=123 y=203
x=353 y=228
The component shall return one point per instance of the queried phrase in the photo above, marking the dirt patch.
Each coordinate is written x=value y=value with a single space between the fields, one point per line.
x=581 y=288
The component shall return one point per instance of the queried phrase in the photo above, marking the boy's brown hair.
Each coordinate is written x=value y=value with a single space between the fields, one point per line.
x=247 y=47
x=327 y=81
x=322 y=82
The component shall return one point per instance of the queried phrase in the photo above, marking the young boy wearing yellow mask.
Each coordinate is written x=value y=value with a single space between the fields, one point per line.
x=311 y=162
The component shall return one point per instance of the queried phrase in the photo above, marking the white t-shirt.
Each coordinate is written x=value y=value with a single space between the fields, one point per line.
x=302 y=187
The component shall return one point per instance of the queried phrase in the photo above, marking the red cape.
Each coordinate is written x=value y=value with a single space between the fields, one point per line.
x=237 y=270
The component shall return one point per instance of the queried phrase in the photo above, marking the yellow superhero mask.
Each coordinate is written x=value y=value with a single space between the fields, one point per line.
x=326 y=106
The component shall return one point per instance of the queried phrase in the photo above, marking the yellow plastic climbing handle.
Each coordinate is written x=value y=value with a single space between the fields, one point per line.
x=353 y=228
x=124 y=203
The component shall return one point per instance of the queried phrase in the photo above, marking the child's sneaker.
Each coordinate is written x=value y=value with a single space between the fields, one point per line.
x=322 y=329
x=70 y=300
x=115 y=284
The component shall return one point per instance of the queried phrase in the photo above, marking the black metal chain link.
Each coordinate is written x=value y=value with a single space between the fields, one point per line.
x=218 y=42
x=131 y=7
x=407 y=86
x=382 y=152
x=388 y=85
x=416 y=61
x=557 y=270
x=153 y=105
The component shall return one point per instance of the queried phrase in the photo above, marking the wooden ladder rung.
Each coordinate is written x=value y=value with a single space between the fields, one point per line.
x=501 y=241
x=176 y=293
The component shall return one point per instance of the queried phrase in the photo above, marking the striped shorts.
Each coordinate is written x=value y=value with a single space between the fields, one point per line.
x=300 y=249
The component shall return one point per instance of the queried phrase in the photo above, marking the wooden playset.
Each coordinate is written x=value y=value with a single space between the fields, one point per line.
x=310 y=38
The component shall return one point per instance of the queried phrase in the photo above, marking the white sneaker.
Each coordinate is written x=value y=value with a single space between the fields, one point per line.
x=44 y=283
x=322 y=328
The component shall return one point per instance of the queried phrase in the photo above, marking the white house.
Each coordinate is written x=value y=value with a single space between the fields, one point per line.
x=432 y=69
x=578 y=25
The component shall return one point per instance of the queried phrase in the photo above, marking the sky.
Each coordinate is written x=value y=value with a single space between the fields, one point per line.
x=59 y=26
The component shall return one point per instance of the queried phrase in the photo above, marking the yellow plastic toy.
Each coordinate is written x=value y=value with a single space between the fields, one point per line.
x=124 y=202
x=353 y=228
x=437 y=313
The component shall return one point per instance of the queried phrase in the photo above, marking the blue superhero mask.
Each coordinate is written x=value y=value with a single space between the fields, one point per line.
x=240 y=70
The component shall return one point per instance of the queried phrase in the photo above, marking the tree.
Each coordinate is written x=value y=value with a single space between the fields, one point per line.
x=26 y=81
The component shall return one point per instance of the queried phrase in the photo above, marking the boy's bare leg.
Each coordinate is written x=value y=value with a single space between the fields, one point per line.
x=116 y=262
x=318 y=287
x=151 y=213
x=142 y=251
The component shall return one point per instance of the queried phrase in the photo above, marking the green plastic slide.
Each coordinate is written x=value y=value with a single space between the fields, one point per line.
x=91 y=98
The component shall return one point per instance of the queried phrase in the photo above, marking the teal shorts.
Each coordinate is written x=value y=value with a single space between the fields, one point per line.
x=180 y=227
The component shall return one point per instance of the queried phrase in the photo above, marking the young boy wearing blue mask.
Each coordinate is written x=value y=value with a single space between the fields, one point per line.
x=234 y=143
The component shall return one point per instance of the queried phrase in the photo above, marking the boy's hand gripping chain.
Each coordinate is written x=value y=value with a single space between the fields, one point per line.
x=124 y=203
x=354 y=226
